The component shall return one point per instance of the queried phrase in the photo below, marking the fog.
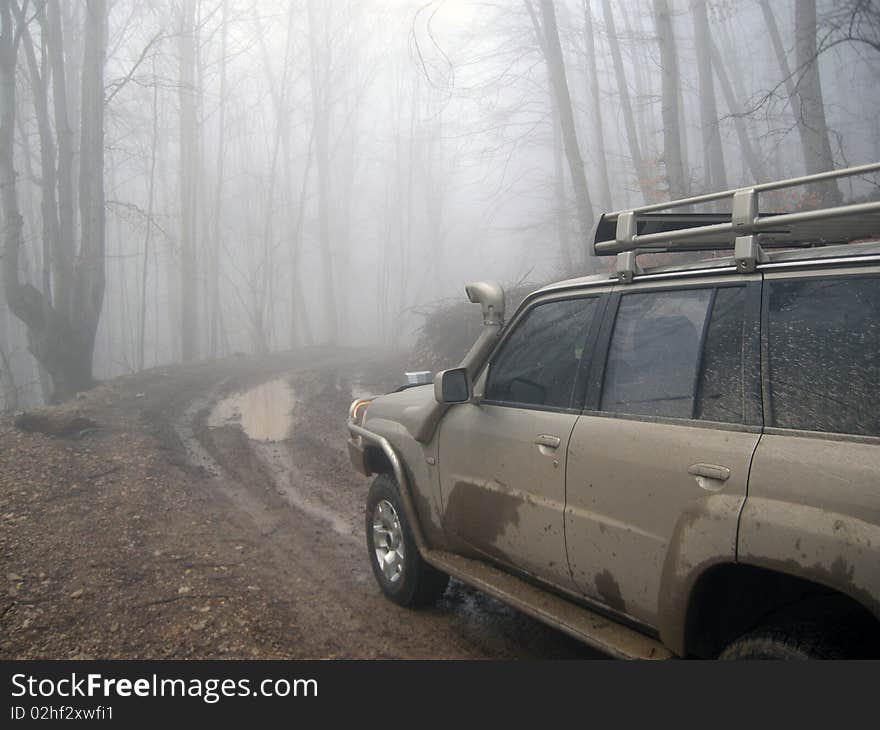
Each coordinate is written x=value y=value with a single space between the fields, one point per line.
x=198 y=178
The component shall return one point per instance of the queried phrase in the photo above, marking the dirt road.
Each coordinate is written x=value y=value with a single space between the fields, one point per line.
x=157 y=528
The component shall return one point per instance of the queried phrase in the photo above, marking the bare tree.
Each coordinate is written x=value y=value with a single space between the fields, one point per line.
x=189 y=166
x=753 y=161
x=51 y=20
x=808 y=100
x=626 y=108
x=215 y=314
x=559 y=190
x=148 y=231
x=319 y=49
x=850 y=22
x=713 y=155
x=8 y=385
x=805 y=94
x=62 y=324
x=670 y=102
x=598 y=127
x=548 y=35
x=53 y=245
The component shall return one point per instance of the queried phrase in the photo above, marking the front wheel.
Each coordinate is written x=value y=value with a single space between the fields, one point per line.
x=399 y=569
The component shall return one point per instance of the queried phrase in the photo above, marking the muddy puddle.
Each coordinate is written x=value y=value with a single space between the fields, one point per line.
x=264 y=412
x=299 y=489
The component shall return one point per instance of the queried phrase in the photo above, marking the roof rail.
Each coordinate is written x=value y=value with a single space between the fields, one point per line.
x=628 y=233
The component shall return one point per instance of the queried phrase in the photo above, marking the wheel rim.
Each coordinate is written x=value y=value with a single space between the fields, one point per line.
x=388 y=541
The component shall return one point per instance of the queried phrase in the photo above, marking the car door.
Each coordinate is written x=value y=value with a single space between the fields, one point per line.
x=671 y=423
x=502 y=457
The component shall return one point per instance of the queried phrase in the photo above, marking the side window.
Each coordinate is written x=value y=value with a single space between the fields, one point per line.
x=652 y=363
x=720 y=394
x=824 y=338
x=539 y=361
x=678 y=354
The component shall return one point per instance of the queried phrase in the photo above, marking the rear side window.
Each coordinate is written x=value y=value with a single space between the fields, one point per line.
x=720 y=387
x=538 y=363
x=824 y=339
x=654 y=355
x=678 y=354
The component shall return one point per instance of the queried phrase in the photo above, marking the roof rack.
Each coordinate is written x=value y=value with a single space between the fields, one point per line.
x=629 y=233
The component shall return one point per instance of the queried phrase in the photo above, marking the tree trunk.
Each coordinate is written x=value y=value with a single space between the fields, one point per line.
x=264 y=299
x=55 y=258
x=713 y=155
x=548 y=35
x=90 y=274
x=641 y=62
x=805 y=53
x=643 y=176
x=809 y=104
x=214 y=264
x=62 y=345
x=562 y=223
x=784 y=68
x=753 y=161
x=71 y=24
x=148 y=234
x=670 y=104
x=300 y=329
x=64 y=136
x=598 y=128
x=189 y=321
x=7 y=374
x=320 y=88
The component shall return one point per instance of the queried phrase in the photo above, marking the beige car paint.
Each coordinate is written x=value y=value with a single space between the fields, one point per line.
x=814 y=512
x=504 y=494
x=632 y=505
x=386 y=417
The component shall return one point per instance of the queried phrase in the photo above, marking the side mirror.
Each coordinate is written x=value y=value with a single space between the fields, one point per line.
x=452 y=386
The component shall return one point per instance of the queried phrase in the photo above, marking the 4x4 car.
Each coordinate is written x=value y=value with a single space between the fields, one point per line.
x=677 y=461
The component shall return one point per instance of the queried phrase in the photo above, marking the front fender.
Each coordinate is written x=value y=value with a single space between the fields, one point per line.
x=421 y=476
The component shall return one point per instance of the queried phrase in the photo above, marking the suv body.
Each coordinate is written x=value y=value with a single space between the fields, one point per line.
x=662 y=462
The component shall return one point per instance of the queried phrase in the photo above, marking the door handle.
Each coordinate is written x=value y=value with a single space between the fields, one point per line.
x=710 y=471
x=550 y=442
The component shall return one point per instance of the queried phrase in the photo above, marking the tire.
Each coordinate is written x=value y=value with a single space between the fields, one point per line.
x=793 y=642
x=406 y=579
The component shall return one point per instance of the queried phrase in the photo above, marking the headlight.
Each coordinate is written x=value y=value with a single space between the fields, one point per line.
x=358 y=410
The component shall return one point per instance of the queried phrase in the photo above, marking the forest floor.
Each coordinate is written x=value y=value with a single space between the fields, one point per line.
x=153 y=526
